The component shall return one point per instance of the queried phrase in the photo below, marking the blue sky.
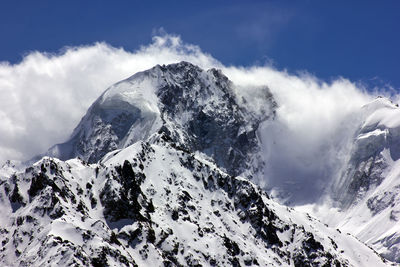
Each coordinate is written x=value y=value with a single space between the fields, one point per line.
x=358 y=40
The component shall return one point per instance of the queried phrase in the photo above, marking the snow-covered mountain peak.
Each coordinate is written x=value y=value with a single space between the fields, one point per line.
x=197 y=109
x=381 y=113
x=367 y=189
x=141 y=90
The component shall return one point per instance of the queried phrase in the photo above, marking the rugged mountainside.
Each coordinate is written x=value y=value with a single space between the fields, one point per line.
x=154 y=203
x=196 y=108
x=157 y=184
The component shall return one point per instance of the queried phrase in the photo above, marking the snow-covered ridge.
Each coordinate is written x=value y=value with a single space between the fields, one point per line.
x=158 y=204
x=366 y=194
x=376 y=145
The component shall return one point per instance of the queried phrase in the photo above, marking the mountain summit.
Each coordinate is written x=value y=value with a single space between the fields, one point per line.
x=198 y=109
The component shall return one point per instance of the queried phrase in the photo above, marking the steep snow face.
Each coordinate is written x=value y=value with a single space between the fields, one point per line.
x=197 y=109
x=366 y=194
x=376 y=146
x=123 y=114
x=152 y=204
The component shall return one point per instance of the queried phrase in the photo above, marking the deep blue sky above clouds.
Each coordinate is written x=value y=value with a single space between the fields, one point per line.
x=359 y=40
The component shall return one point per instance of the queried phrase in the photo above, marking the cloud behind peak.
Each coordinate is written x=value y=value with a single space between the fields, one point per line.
x=44 y=96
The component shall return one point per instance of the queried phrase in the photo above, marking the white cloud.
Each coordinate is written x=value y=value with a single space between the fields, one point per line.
x=44 y=96
x=315 y=124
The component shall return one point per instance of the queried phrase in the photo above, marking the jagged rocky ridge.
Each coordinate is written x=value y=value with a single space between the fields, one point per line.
x=165 y=147
x=155 y=203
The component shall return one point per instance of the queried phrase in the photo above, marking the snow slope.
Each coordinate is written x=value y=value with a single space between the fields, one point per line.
x=365 y=198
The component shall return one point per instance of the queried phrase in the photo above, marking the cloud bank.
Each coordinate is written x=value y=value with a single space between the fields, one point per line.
x=44 y=96
x=308 y=142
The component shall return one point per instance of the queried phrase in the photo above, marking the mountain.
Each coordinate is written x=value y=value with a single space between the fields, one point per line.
x=158 y=172
x=376 y=145
x=368 y=189
x=158 y=204
x=197 y=109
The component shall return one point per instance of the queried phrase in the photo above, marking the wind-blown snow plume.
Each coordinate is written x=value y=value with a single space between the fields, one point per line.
x=315 y=124
x=44 y=96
